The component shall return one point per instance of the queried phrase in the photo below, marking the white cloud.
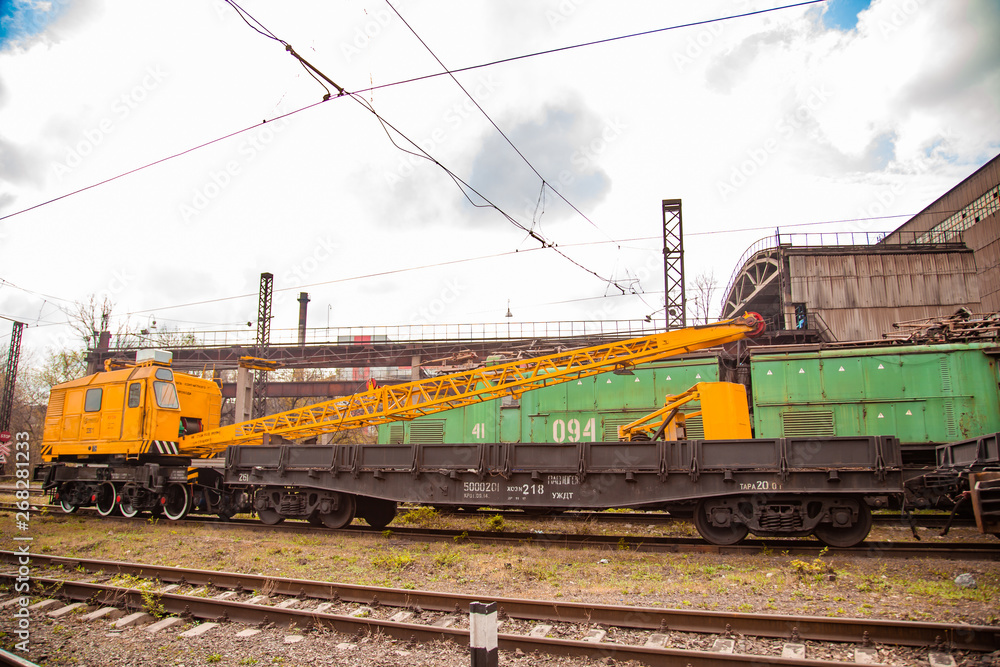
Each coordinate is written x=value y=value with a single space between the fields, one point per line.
x=763 y=122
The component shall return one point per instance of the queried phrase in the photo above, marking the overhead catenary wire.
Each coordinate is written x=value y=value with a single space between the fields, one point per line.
x=463 y=185
x=360 y=91
x=503 y=134
x=451 y=262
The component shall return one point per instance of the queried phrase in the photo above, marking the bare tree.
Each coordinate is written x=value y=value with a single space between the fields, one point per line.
x=94 y=317
x=703 y=288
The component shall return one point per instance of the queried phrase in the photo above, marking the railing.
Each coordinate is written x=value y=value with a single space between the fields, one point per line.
x=414 y=333
x=828 y=240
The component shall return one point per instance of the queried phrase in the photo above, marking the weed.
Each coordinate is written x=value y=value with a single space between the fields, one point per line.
x=152 y=605
x=495 y=524
x=815 y=568
x=214 y=657
x=447 y=558
x=394 y=561
x=248 y=661
x=422 y=516
x=387 y=533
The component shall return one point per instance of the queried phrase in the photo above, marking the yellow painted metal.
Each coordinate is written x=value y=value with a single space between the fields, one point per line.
x=724 y=412
x=414 y=399
x=258 y=364
x=137 y=411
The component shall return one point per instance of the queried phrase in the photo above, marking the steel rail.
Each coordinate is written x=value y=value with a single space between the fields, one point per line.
x=922 y=520
x=817 y=628
x=215 y=610
x=646 y=544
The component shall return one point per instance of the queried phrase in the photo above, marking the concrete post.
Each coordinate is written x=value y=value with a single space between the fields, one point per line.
x=244 y=395
x=483 y=634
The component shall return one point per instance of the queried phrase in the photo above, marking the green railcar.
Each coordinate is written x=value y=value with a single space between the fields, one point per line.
x=922 y=394
x=588 y=410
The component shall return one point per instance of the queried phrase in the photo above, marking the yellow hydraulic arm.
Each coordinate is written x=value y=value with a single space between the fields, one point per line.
x=414 y=399
x=724 y=413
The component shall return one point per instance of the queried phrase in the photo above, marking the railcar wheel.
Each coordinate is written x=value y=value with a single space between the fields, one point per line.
x=127 y=509
x=107 y=499
x=176 y=501
x=270 y=517
x=67 y=507
x=341 y=516
x=721 y=535
x=849 y=536
x=376 y=512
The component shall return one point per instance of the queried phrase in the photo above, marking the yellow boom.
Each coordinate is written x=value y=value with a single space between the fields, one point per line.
x=414 y=399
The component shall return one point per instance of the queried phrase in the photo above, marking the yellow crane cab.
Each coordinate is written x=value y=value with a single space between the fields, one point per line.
x=132 y=412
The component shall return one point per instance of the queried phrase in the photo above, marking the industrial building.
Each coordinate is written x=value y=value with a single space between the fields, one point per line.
x=855 y=286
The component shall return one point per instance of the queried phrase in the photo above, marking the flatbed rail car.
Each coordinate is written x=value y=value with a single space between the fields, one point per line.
x=966 y=481
x=772 y=487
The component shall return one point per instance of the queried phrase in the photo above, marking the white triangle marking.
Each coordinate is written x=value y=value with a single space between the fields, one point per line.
x=802 y=370
x=668 y=377
x=698 y=376
x=637 y=379
x=881 y=367
x=881 y=416
x=841 y=369
x=770 y=373
x=909 y=414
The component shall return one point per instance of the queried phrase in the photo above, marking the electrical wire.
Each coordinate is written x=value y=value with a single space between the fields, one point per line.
x=503 y=134
x=161 y=160
x=463 y=186
x=586 y=44
x=245 y=17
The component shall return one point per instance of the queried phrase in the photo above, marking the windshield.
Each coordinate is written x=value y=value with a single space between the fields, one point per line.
x=166 y=394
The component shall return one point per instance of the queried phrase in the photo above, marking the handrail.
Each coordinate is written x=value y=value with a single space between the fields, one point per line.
x=396 y=334
x=829 y=239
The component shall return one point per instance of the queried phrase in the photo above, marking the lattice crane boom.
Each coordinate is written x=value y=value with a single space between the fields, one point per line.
x=421 y=397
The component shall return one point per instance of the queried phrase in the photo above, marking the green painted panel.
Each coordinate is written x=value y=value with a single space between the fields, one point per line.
x=924 y=394
x=842 y=379
x=510 y=424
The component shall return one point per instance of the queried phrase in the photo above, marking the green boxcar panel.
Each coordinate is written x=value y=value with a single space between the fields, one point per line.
x=922 y=394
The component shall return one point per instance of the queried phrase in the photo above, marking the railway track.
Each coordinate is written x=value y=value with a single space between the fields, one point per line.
x=645 y=634
x=936 y=520
x=789 y=546
x=933 y=520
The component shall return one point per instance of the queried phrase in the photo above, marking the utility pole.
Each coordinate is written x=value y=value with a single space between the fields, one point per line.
x=673 y=265
x=261 y=349
x=10 y=376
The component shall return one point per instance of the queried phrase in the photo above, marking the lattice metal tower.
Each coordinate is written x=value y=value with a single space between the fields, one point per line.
x=261 y=349
x=10 y=377
x=673 y=265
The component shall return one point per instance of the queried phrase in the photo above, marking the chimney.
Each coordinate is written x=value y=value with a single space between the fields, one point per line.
x=303 y=300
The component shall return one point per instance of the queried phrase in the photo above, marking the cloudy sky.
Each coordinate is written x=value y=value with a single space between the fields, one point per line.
x=833 y=112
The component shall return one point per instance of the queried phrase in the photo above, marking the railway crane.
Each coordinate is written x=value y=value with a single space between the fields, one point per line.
x=147 y=438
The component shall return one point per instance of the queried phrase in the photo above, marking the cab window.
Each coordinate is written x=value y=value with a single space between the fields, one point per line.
x=166 y=394
x=93 y=401
x=164 y=374
x=134 y=394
